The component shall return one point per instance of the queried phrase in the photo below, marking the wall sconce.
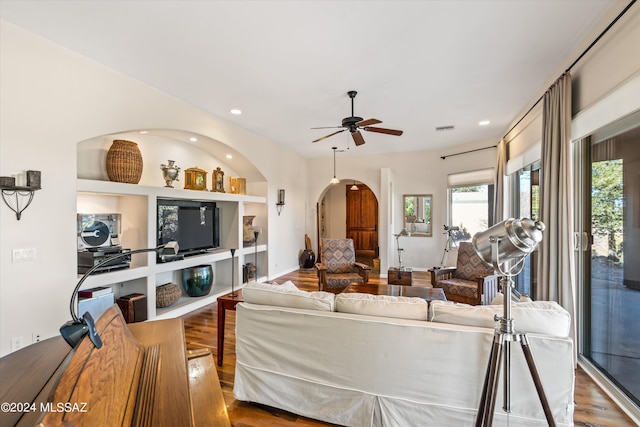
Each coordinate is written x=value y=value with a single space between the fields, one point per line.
x=280 y=202
x=20 y=195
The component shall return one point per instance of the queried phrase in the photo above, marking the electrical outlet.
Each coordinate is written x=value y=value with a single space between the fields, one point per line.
x=36 y=337
x=17 y=343
x=19 y=255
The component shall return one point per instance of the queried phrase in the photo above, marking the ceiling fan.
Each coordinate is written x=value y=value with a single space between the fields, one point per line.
x=353 y=124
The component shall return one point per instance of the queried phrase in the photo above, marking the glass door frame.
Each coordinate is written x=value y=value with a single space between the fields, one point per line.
x=583 y=240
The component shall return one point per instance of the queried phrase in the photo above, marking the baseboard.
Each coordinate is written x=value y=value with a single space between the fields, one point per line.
x=282 y=273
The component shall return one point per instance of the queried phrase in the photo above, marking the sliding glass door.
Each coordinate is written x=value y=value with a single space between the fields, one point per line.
x=609 y=263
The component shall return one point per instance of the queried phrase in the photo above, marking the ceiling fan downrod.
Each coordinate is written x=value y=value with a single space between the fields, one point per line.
x=352 y=94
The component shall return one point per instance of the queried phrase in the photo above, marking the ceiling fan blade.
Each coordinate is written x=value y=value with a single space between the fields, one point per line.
x=383 y=130
x=328 y=127
x=357 y=137
x=368 y=122
x=327 y=136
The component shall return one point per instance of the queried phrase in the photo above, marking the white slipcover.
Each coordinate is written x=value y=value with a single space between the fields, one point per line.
x=358 y=370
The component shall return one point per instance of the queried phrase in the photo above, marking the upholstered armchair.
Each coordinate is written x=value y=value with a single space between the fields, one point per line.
x=469 y=282
x=338 y=267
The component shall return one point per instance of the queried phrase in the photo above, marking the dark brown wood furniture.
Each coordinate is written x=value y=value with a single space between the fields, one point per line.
x=225 y=302
x=429 y=294
x=138 y=377
x=396 y=276
x=362 y=219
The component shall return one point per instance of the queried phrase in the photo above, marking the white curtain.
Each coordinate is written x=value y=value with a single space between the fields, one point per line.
x=498 y=190
x=556 y=265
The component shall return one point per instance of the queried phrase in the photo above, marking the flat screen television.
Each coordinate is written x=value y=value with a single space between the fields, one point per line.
x=194 y=224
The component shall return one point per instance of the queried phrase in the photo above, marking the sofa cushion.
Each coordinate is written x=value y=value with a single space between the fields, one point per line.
x=382 y=305
x=287 y=295
x=542 y=317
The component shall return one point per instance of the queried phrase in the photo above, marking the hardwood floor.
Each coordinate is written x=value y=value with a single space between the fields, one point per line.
x=593 y=407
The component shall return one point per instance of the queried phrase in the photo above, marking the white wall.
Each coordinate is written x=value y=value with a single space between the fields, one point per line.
x=422 y=172
x=51 y=100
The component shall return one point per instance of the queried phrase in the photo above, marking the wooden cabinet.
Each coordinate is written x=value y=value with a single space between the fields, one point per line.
x=399 y=277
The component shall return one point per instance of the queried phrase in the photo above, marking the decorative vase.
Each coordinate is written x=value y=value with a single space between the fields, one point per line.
x=197 y=281
x=248 y=238
x=170 y=173
x=124 y=162
x=307 y=258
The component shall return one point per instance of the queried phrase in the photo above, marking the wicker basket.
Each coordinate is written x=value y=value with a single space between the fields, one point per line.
x=124 y=162
x=167 y=294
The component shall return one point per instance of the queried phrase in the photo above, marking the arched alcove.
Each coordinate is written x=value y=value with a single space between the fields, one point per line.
x=187 y=149
x=215 y=220
x=350 y=208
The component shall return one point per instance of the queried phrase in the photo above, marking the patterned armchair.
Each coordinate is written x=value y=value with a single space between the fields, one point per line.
x=338 y=267
x=466 y=283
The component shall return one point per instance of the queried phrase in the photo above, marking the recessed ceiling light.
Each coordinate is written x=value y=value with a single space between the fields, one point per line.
x=229 y=156
x=484 y=122
x=143 y=131
x=193 y=139
x=236 y=111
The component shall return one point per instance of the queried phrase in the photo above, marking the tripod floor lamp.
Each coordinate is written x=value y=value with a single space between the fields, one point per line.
x=505 y=246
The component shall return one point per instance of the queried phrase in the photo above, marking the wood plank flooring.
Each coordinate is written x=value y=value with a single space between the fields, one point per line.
x=593 y=407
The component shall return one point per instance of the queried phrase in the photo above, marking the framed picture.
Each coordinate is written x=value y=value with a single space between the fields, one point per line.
x=195 y=179
x=217 y=181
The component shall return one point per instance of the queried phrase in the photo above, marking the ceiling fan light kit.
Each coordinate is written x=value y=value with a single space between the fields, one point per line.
x=334 y=180
x=354 y=124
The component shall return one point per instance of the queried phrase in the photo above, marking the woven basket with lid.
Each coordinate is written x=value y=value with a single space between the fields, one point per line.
x=167 y=294
x=124 y=162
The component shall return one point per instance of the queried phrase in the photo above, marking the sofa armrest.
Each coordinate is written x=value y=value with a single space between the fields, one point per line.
x=321 y=270
x=441 y=273
x=363 y=271
x=362 y=266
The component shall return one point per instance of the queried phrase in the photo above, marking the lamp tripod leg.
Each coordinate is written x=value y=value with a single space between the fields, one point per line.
x=489 y=389
x=501 y=345
x=526 y=350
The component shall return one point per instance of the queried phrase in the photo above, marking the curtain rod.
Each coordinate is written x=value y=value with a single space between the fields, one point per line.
x=470 y=151
x=575 y=62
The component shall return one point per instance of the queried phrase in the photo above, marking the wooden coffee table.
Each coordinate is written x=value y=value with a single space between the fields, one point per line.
x=429 y=294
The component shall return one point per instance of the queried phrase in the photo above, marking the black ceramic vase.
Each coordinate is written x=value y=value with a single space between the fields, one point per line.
x=197 y=281
x=307 y=258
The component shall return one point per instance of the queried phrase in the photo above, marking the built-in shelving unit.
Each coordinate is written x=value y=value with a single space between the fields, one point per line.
x=137 y=205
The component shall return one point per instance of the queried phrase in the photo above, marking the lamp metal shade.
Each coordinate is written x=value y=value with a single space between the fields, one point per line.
x=516 y=237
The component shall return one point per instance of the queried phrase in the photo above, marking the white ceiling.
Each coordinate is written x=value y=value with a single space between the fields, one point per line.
x=288 y=65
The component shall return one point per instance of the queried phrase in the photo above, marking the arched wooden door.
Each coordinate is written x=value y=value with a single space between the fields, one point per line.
x=362 y=220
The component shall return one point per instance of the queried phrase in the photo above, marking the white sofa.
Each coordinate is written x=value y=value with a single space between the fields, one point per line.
x=313 y=354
